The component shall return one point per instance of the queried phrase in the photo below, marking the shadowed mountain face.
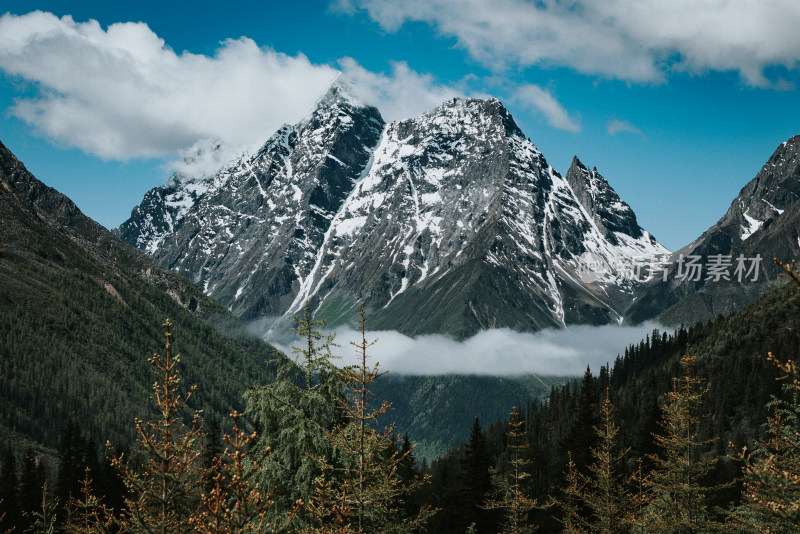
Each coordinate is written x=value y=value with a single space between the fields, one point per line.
x=763 y=221
x=449 y=222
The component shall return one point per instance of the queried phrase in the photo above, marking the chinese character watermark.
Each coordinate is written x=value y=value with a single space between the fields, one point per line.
x=689 y=268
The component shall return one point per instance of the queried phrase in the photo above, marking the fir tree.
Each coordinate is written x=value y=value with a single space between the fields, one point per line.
x=360 y=493
x=162 y=491
x=293 y=415
x=605 y=495
x=234 y=505
x=86 y=513
x=573 y=517
x=42 y=519
x=511 y=497
x=679 y=495
x=771 y=485
x=581 y=437
x=475 y=481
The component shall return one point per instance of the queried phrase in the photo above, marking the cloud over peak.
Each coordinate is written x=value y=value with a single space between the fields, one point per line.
x=122 y=92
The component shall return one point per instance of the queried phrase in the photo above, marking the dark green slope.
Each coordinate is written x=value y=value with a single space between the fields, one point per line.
x=437 y=411
x=80 y=311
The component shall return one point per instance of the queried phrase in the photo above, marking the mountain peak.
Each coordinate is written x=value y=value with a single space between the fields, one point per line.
x=341 y=91
x=610 y=213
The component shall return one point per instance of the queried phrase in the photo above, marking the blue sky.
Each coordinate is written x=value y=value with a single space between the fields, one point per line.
x=678 y=104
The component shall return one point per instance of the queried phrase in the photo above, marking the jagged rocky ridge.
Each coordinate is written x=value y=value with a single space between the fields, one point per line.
x=449 y=222
x=763 y=220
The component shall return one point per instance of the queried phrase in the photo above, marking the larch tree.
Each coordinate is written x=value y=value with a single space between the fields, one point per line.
x=605 y=495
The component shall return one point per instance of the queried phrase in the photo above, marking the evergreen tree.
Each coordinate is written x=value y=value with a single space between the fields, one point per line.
x=162 y=492
x=573 y=515
x=42 y=518
x=679 y=494
x=511 y=497
x=212 y=449
x=360 y=492
x=293 y=415
x=85 y=513
x=75 y=455
x=771 y=488
x=9 y=505
x=234 y=505
x=605 y=495
x=31 y=485
x=475 y=482
x=581 y=437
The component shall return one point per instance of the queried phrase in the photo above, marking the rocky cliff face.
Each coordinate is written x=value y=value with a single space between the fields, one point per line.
x=449 y=222
x=762 y=221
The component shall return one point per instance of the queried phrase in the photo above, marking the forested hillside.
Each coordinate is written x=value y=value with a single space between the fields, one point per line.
x=731 y=359
x=80 y=311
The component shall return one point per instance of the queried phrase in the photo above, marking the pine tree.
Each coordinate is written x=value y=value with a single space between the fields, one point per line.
x=605 y=495
x=8 y=491
x=511 y=497
x=162 y=492
x=679 y=495
x=771 y=478
x=293 y=415
x=360 y=492
x=475 y=482
x=234 y=505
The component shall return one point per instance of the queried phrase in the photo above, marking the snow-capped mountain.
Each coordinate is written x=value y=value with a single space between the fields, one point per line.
x=449 y=222
x=762 y=222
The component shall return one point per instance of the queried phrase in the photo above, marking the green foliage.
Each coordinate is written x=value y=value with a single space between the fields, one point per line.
x=294 y=413
x=771 y=481
x=510 y=491
x=359 y=493
x=162 y=490
x=76 y=307
x=677 y=484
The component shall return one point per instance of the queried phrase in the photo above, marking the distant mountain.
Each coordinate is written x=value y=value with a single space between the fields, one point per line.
x=450 y=222
x=80 y=313
x=763 y=221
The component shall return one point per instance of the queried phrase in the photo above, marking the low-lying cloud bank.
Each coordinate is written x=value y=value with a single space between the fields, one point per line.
x=498 y=352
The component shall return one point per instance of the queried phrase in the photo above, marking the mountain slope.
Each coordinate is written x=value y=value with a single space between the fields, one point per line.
x=80 y=312
x=450 y=222
x=763 y=220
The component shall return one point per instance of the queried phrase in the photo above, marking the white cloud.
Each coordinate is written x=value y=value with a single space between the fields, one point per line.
x=615 y=126
x=634 y=40
x=499 y=352
x=403 y=94
x=541 y=101
x=122 y=92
